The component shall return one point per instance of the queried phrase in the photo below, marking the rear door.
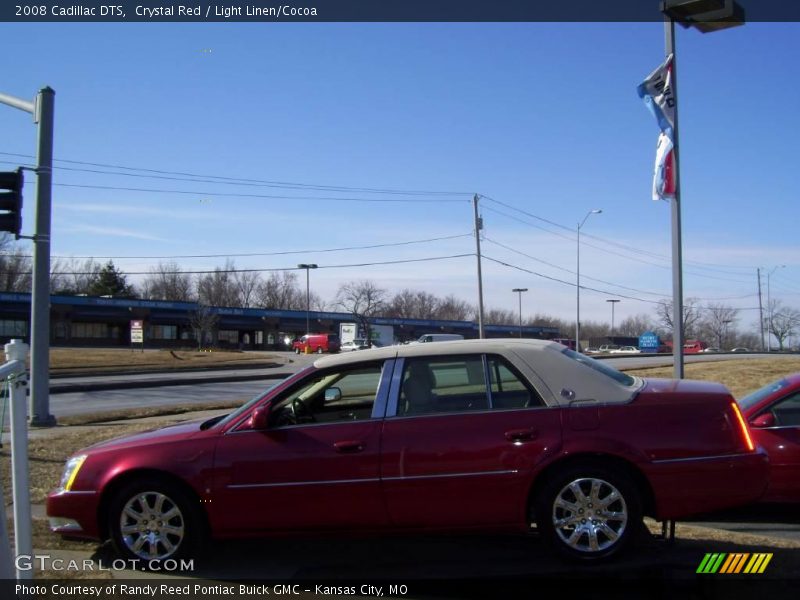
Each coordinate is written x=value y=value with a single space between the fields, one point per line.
x=460 y=440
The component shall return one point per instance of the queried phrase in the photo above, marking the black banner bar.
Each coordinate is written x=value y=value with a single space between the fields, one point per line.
x=367 y=11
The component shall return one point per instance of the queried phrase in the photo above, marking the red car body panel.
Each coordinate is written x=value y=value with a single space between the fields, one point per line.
x=452 y=472
x=782 y=443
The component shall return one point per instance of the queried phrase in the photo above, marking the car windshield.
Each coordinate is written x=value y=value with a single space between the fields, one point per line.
x=759 y=395
x=601 y=367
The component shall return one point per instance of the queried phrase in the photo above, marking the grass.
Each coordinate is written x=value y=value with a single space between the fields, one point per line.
x=87 y=361
x=740 y=376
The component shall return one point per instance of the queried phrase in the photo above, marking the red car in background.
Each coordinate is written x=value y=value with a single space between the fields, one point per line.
x=774 y=416
x=316 y=343
x=474 y=435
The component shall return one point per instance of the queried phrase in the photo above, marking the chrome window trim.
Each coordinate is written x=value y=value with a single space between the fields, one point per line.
x=393 y=403
x=384 y=385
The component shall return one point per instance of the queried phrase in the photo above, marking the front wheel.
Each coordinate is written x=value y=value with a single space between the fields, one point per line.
x=154 y=520
x=589 y=512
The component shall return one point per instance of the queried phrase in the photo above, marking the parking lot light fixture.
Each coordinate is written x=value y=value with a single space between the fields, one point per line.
x=519 y=292
x=307 y=267
x=595 y=211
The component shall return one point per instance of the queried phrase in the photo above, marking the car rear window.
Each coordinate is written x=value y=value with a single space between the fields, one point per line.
x=600 y=367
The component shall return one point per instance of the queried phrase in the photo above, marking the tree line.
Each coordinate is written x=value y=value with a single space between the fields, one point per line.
x=715 y=323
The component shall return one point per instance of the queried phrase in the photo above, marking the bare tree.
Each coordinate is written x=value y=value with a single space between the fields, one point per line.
x=784 y=321
x=74 y=276
x=412 y=304
x=167 y=281
x=452 y=309
x=500 y=316
x=635 y=325
x=363 y=299
x=15 y=267
x=280 y=292
x=716 y=322
x=691 y=316
x=247 y=283
x=203 y=322
x=218 y=288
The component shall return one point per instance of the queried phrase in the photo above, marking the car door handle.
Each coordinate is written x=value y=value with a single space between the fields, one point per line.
x=521 y=435
x=348 y=446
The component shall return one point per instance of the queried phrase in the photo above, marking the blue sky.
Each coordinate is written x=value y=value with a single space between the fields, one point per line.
x=543 y=118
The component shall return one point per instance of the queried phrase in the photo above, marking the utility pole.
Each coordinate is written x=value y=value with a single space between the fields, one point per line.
x=478 y=227
x=43 y=114
x=613 y=303
x=760 y=311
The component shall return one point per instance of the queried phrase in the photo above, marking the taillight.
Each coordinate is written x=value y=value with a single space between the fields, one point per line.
x=743 y=428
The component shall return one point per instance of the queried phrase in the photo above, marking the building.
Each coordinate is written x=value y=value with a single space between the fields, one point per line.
x=93 y=321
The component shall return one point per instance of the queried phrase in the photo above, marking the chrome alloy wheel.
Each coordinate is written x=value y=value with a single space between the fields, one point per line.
x=589 y=515
x=151 y=525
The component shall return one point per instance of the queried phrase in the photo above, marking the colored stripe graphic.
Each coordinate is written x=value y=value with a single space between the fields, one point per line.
x=737 y=562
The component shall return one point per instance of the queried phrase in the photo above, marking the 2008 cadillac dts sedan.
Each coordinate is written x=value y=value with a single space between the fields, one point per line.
x=472 y=435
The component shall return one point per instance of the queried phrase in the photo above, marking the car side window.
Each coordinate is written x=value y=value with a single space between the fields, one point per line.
x=443 y=385
x=330 y=397
x=509 y=389
x=787 y=411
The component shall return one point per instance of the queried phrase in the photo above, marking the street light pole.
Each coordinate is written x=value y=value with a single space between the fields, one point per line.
x=307 y=267
x=769 y=308
x=705 y=16
x=613 y=303
x=595 y=211
x=519 y=292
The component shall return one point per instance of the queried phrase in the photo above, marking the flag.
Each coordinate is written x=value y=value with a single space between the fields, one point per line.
x=664 y=174
x=656 y=91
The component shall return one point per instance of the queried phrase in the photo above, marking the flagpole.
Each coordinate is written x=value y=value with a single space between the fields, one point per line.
x=677 y=258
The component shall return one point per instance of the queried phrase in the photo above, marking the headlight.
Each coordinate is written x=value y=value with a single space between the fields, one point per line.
x=71 y=472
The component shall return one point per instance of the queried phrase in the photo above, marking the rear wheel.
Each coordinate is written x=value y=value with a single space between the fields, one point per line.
x=589 y=512
x=319 y=349
x=154 y=520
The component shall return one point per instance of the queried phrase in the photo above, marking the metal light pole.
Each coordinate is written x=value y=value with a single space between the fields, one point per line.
x=725 y=324
x=613 y=303
x=519 y=292
x=695 y=13
x=595 y=211
x=769 y=308
x=478 y=227
x=42 y=109
x=307 y=267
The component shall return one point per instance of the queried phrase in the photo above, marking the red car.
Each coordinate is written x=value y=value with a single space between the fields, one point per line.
x=476 y=435
x=774 y=416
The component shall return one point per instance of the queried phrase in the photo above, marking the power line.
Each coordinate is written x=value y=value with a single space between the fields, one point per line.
x=253 y=254
x=265 y=270
x=242 y=195
x=246 y=181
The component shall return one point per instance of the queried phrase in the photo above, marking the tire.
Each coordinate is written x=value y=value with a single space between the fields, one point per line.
x=176 y=531
x=297 y=350
x=319 y=349
x=571 y=519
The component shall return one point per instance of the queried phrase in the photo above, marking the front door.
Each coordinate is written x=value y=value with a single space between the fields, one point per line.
x=316 y=467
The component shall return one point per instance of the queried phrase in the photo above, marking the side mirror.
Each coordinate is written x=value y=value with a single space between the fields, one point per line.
x=333 y=394
x=766 y=419
x=259 y=419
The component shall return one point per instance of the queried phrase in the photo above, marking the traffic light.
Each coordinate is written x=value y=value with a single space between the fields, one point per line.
x=11 y=201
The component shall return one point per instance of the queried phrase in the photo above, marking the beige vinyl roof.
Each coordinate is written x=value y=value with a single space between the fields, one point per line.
x=541 y=361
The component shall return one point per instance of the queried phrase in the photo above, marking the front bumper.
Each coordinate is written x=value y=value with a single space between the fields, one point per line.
x=74 y=513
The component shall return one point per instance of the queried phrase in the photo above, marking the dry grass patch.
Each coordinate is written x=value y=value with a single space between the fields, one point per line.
x=65 y=361
x=46 y=455
x=740 y=376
